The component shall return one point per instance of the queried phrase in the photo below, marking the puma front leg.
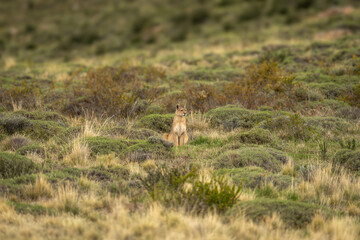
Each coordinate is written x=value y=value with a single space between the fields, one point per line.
x=184 y=139
x=176 y=140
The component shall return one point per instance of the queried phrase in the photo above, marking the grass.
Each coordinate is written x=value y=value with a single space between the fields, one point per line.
x=272 y=94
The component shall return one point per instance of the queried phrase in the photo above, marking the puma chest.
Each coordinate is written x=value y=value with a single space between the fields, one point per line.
x=179 y=128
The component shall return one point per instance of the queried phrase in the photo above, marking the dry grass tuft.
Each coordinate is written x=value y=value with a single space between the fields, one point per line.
x=9 y=62
x=331 y=186
x=17 y=106
x=67 y=199
x=107 y=160
x=40 y=189
x=136 y=170
x=79 y=155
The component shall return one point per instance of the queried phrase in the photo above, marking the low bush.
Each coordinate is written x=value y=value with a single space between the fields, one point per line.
x=230 y=117
x=289 y=126
x=185 y=188
x=202 y=97
x=349 y=159
x=32 y=148
x=43 y=130
x=329 y=90
x=293 y=214
x=264 y=84
x=255 y=177
x=119 y=92
x=157 y=122
x=43 y=116
x=267 y=158
x=13 y=124
x=153 y=148
x=12 y=165
x=133 y=133
x=201 y=140
x=352 y=96
x=254 y=136
x=135 y=150
x=14 y=142
x=328 y=123
x=25 y=94
x=104 y=145
x=33 y=209
x=37 y=129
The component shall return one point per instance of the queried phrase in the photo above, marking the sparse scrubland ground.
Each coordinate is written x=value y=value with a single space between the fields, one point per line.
x=87 y=89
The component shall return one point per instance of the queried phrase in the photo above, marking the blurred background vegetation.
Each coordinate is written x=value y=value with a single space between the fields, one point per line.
x=39 y=30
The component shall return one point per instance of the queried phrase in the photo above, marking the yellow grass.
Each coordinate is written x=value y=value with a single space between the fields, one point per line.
x=79 y=154
x=40 y=189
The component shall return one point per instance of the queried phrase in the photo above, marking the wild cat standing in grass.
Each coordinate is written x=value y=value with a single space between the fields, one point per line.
x=178 y=134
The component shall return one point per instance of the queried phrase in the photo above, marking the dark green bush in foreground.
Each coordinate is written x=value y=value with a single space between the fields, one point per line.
x=180 y=187
x=253 y=177
x=293 y=214
x=268 y=158
x=12 y=165
x=348 y=158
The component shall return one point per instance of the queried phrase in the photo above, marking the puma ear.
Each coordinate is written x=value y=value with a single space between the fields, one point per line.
x=177 y=106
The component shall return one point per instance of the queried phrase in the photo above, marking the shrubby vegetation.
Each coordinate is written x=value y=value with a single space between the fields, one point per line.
x=88 y=89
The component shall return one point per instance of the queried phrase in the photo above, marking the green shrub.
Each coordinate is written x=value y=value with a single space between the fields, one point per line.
x=266 y=190
x=329 y=90
x=268 y=158
x=216 y=195
x=293 y=214
x=12 y=124
x=14 y=142
x=279 y=55
x=201 y=140
x=230 y=117
x=104 y=145
x=352 y=97
x=67 y=133
x=330 y=106
x=169 y=187
x=133 y=133
x=152 y=148
x=44 y=130
x=43 y=116
x=16 y=185
x=154 y=109
x=157 y=122
x=202 y=97
x=348 y=144
x=249 y=11
x=289 y=126
x=255 y=177
x=12 y=165
x=348 y=158
x=37 y=129
x=328 y=123
x=263 y=84
x=33 y=209
x=32 y=148
x=254 y=136
x=199 y=15
x=141 y=133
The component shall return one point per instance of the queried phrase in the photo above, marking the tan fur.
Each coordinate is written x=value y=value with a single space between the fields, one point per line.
x=178 y=134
